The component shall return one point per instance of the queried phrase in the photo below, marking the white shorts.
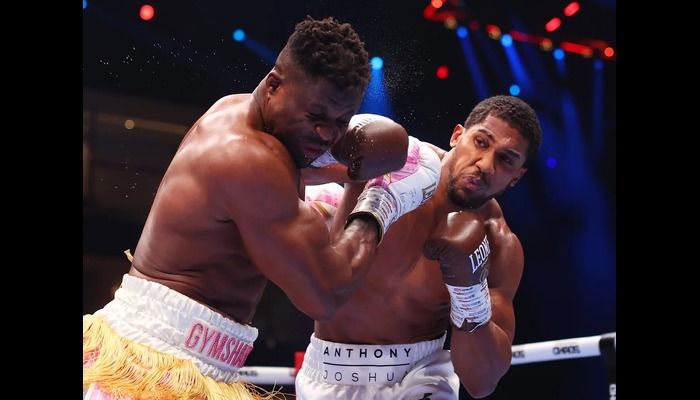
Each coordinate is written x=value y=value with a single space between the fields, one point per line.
x=154 y=315
x=412 y=371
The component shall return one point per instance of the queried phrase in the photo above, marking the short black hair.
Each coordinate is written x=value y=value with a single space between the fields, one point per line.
x=332 y=50
x=517 y=113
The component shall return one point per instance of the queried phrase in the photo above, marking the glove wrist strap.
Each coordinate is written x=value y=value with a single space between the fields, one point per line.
x=378 y=203
x=470 y=305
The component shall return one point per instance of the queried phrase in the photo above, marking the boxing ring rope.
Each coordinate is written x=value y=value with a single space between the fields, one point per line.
x=553 y=350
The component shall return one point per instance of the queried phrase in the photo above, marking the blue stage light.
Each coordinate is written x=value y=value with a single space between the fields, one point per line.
x=377 y=63
x=238 y=35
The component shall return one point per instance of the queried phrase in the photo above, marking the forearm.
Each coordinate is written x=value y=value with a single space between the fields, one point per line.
x=349 y=198
x=481 y=357
x=352 y=244
x=357 y=244
x=331 y=173
x=321 y=281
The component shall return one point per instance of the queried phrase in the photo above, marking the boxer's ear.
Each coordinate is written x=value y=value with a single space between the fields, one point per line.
x=457 y=132
x=273 y=80
x=517 y=177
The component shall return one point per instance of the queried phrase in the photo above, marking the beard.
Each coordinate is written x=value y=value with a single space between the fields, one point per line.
x=300 y=159
x=464 y=197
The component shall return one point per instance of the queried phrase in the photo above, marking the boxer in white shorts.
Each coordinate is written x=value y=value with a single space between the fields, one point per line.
x=229 y=216
x=453 y=263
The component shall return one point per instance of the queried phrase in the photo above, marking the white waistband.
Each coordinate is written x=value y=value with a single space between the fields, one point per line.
x=157 y=316
x=363 y=364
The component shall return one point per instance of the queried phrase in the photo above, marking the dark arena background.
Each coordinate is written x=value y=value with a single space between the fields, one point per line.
x=146 y=81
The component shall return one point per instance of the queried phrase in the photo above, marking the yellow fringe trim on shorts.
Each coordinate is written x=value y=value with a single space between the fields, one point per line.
x=124 y=368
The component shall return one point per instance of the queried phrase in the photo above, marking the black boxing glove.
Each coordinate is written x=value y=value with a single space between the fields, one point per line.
x=372 y=146
x=461 y=246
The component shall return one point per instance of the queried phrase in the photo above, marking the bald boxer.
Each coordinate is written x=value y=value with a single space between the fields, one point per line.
x=452 y=262
x=229 y=215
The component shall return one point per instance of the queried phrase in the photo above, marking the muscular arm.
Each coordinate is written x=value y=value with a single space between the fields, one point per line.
x=331 y=173
x=482 y=357
x=338 y=172
x=287 y=240
x=347 y=202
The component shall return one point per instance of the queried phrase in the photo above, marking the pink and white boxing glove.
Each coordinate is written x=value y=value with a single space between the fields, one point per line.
x=394 y=194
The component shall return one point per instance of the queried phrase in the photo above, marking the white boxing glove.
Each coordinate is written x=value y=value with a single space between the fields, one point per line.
x=394 y=194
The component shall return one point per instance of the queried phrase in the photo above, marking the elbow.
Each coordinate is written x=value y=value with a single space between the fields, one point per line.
x=329 y=303
x=321 y=310
x=324 y=304
x=479 y=385
x=479 y=390
x=322 y=315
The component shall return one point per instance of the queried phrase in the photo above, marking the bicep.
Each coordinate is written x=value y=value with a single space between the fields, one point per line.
x=288 y=248
x=285 y=239
x=506 y=264
x=505 y=273
x=330 y=173
x=503 y=313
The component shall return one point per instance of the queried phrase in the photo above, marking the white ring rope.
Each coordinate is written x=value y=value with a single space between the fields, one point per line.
x=552 y=350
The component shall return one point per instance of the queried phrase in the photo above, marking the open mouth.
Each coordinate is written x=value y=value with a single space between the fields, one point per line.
x=474 y=183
